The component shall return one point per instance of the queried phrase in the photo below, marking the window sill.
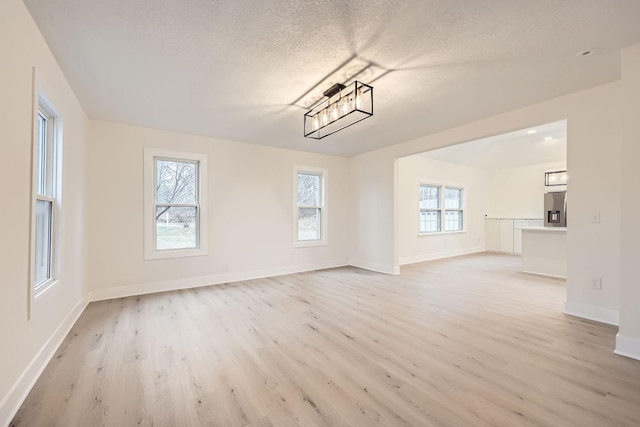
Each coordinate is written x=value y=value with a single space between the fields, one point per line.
x=170 y=254
x=44 y=288
x=309 y=243
x=439 y=233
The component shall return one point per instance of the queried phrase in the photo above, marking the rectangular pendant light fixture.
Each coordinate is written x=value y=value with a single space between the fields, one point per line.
x=552 y=178
x=342 y=107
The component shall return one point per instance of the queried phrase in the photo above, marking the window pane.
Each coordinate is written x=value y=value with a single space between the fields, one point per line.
x=308 y=190
x=453 y=221
x=453 y=198
x=176 y=228
x=176 y=182
x=429 y=197
x=44 y=209
x=429 y=221
x=309 y=224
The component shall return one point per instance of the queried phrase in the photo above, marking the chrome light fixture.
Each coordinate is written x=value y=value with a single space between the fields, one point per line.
x=342 y=107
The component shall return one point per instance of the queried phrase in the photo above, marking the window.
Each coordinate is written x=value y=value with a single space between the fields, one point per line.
x=47 y=139
x=452 y=209
x=175 y=219
x=310 y=206
x=437 y=202
x=430 y=215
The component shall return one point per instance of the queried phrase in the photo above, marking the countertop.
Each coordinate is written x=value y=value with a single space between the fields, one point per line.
x=551 y=229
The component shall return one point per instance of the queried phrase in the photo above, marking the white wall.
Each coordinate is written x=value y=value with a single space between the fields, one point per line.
x=475 y=181
x=594 y=139
x=26 y=345
x=250 y=212
x=593 y=148
x=374 y=235
x=628 y=341
x=518 y=192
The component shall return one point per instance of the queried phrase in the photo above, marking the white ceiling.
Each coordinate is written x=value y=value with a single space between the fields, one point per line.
x=540 y=144
x=232 y=69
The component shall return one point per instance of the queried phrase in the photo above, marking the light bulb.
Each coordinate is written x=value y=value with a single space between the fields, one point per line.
x=316 y=122
x=325 y=116
x=335 y=112
x=345 y=105
x=358 y=99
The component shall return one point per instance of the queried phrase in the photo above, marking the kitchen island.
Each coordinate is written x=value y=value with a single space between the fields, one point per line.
x=544 y=251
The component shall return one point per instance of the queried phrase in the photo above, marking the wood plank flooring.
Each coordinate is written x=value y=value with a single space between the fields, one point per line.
x=467 y=341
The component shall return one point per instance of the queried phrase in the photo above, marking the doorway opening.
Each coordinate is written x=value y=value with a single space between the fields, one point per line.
x=486 y=195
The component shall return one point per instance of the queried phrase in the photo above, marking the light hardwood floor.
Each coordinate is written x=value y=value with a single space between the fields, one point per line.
x=467 y=341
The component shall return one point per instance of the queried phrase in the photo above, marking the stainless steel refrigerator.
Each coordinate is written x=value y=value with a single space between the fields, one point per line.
x=555 y=209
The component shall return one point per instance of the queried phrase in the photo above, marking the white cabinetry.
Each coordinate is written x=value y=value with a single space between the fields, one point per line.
x=505 y=234
x=545 y=251
x=518 y=225
x=492 y=234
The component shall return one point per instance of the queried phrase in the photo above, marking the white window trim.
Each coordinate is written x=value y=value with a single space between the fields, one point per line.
x=150 y=252
x=324 y=226
x=41 y=102
x=442 y=209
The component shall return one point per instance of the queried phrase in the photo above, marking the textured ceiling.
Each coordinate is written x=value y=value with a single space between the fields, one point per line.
x=541 y=144
x=238 y=69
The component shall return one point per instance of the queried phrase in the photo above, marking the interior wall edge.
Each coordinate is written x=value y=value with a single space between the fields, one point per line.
x=18 y=393
x=627 y=347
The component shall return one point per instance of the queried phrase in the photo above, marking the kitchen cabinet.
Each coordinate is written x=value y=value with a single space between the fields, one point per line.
x=545 y=251
x=518 y=225
x=492 y=234
x=505 y=234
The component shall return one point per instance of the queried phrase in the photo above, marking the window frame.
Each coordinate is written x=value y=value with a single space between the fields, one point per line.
x=460 y=209
x=151 y=155
x=442 y=208
x=48 y=177
x=438 y=210
x=323 y=173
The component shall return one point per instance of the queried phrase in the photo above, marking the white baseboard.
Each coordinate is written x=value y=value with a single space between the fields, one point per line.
x=598 y=314
x=197 y=282
x=378 y=268
x=627 y=346
x=439 y=255
x=21 y=388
